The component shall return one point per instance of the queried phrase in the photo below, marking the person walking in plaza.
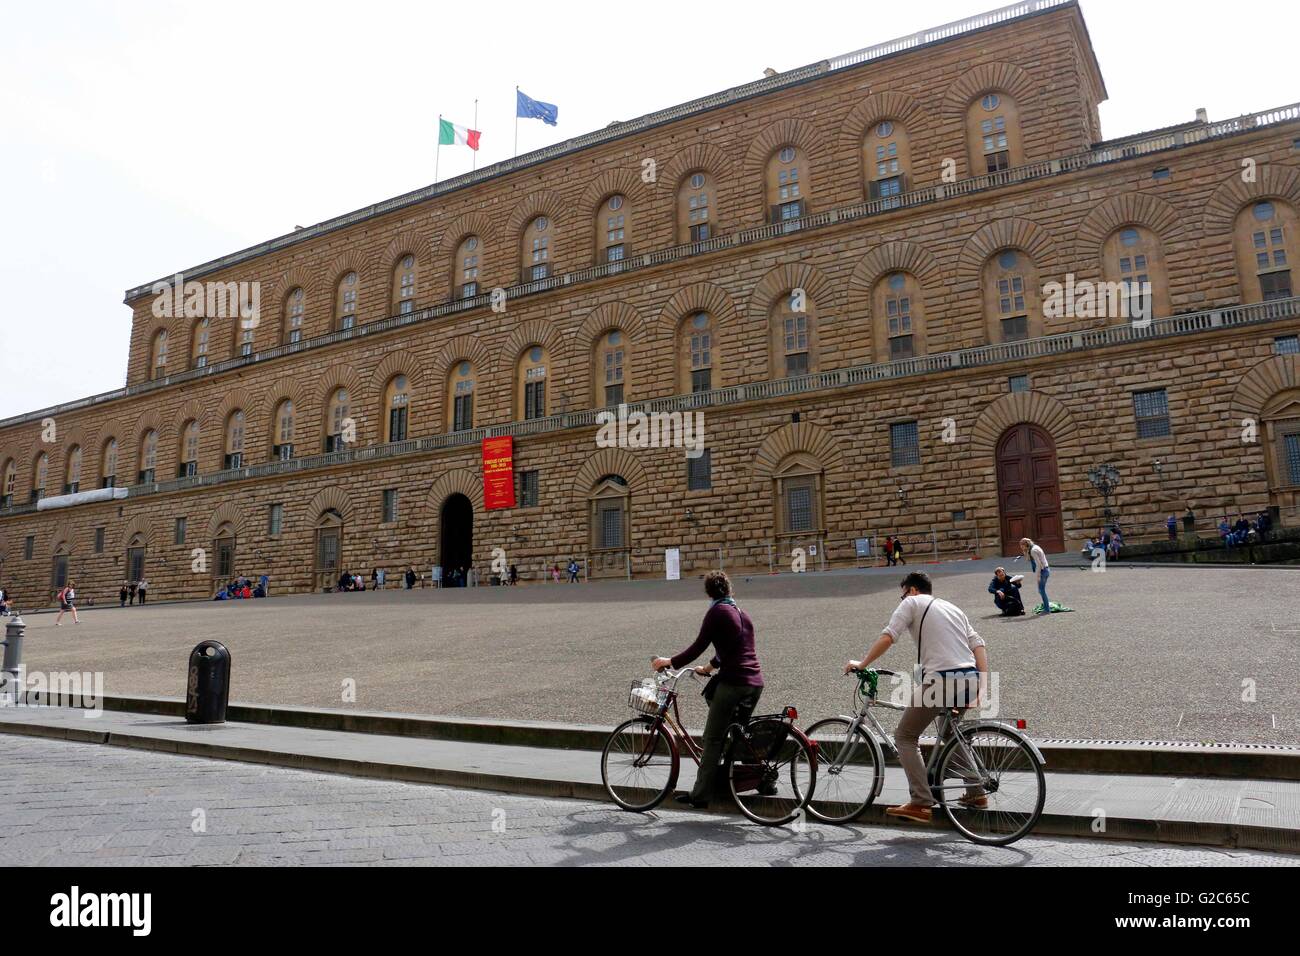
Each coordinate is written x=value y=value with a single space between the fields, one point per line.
x=123 y=594
x=1172 y=526
x=889 y=550
x=143 y=589
x=736 y=678
x=573 y=571
x=1037 y=559
x=898 y=551
x=410 y=578
x=67 y=602
x=953 y=664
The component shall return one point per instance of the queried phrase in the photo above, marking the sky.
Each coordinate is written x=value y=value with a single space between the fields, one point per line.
x=138 y=139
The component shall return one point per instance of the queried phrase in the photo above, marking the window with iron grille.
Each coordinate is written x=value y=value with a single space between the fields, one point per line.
x=390 y=505
x=179 y=533
x=611 y=525
x=1291 y=454
x=799 y=507
x=1015 y=329
x=99 y=540
x=1287 y=345
x=29 y=547
x=1152 y=410
x=397 y=424
x=535 y=399
x=275 y=519
x=463 y=416
x=900 y=347
x=528 y=489
x=1275 y=285
x=699 y=472
x=904 y=444
x=1019 y=383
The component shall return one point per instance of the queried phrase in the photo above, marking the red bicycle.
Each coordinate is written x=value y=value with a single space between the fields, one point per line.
x=770 y=764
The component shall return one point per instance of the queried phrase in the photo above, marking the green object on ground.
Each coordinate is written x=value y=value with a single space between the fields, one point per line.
x=1056 y=608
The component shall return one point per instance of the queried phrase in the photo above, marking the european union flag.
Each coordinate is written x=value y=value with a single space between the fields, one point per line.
x=529 y=108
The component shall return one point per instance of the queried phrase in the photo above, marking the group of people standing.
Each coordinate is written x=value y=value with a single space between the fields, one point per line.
x=893 y=550
x=130 y=590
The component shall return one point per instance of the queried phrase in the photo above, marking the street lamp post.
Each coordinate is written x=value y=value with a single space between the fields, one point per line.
x=1105 y=478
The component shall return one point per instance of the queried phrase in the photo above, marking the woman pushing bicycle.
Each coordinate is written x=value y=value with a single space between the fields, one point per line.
x=737 y=679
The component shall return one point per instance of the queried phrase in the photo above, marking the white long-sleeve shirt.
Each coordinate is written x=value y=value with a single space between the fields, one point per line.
x=948 y=641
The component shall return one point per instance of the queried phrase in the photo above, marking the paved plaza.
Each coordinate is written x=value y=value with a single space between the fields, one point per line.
x=86 y=805
x=1189 y=654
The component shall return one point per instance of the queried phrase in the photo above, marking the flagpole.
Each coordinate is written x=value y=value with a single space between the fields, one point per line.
x=516 y=120
x=437 y=153
x=474 y=164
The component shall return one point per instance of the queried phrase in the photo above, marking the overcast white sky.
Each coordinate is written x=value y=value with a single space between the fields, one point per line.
x=141 y=138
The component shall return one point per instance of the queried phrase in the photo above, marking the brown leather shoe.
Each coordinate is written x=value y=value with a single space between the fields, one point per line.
x=974 y=801
x=910 y=811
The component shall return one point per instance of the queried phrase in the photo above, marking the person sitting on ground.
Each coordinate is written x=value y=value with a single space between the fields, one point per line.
x=737 y=679
x=345 y=581
x=1006 y=593
x=1116 y=542
x=222 y=594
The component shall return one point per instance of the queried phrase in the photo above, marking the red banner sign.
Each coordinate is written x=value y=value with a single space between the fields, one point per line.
x=498 y=472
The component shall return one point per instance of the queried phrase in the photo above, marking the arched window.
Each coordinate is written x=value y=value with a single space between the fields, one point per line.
x=460 y=397
x=537 y=250
x=993 y=134
x=234 y=454
x=108 y=465
x=1281 y=418
x=224 y=542
x=465 y=279
x=887 y=161
x=8 y=484
x=282 y=431
x=610 y=523
x=404 y=284
x=189 y=465
x=530 y=383
x=295 y=307
x=158 y=360
x=40 y=475
x=1133 y=262
x=899 y=325
x=148 y=457
x=199 y=345
x=397 y=401
x=72 y=477
x=697 y=211
x=1265 y=237
x=787 y=185
x=245 y=330
x=794 y=334
x=329 y=548
x=611 y=369
x=1012 y=303
x=614 y=229
x=695 y=360
x=346 y=302
x=339 y=428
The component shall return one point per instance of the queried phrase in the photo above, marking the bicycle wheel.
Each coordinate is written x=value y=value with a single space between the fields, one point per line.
x=847 y=770
x=639 y=764
x=1002 y=798
x=771 y=771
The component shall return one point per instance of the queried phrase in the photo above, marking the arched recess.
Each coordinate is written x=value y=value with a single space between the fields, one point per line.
x=704 y=297
x=458 y=481
x=165 y=461
x=778 y=282
x=384 y=263
x=227 y=513
x=802 y=135
x=92 y=454
x=63 y=536
x=69 y=438
x=1014 y=408
x=888 y=105
x=881 y=261
x=609 y=461
x=140 y=526
x=542 y=203
x=612 y=315
x=1261 y=383
x=533 y=332
x=697 y=156
x=984 y=78
x=462 y=347
x=298 y=277
x=630 y=185
x=394 y=364
x=794 y=438
x=349 y=260
x=1007 y=234
x=1272 y=181
x=1126 y=209
x=340 y=375
x=329 y=499
x=461 y=228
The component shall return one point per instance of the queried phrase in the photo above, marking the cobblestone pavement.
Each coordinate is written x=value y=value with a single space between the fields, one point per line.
x=72 y=804
x=1167 y=653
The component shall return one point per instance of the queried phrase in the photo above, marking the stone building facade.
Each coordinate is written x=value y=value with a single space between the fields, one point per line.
x=846 y=270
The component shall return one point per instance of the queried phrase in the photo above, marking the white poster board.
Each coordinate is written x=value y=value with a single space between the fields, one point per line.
x=673 y=564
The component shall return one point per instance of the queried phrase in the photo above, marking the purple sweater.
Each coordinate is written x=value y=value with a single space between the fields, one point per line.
x=731 y=633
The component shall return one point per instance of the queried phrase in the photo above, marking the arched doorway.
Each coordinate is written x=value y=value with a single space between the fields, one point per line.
x=456 y=539
x=224 y=546
x=135 y=558
x=329 y=548
x=1029 y=490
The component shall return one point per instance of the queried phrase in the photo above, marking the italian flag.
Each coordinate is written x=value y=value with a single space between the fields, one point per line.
x=449 y=133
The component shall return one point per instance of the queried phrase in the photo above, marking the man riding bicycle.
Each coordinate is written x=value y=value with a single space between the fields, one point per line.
x=952 y=664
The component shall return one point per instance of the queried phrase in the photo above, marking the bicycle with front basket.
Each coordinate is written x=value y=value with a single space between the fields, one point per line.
x=770 y=765
x=986 y=775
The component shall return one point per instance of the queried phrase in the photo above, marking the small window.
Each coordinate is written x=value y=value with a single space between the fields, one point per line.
x=1287 y=345
x=787 y=154
x=179 y=534
x=1007 y=259
x=885 y=129
x=29 y=547
x=99 y=540
x=1015 y=329
x=1263 y=211
x=990 y=102
x=959 y=516
x=699 y=472
x=1152 y=411
x=390 y=505
x=904 y=444
x=697 y=181
x=1018 y=383
x=1161 y=173
x=528 y=486
x=275 y=519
